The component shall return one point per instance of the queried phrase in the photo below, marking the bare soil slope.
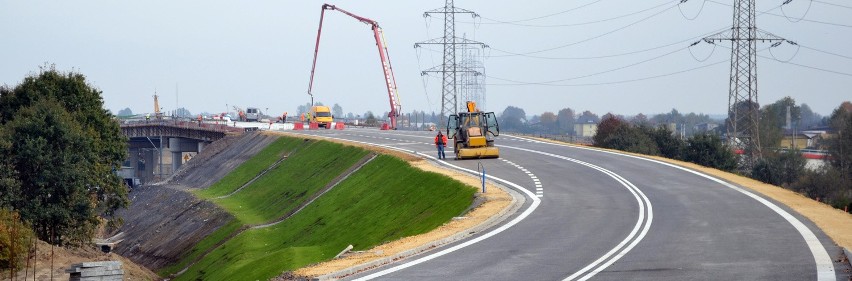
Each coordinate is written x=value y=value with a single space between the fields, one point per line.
x=165 y=221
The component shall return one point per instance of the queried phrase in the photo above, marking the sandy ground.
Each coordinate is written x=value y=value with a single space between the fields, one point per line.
x=495 y=200
x=63 y=258
x=835 y=223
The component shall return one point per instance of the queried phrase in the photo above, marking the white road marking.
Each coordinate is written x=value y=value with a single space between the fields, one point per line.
x=533 y=206
x=824 y=264
x=635 y=235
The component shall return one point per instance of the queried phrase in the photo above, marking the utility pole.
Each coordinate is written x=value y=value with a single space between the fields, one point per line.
x=743 y=107
x=449 y=68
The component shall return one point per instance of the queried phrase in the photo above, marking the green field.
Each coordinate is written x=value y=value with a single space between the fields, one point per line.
x=387 y=199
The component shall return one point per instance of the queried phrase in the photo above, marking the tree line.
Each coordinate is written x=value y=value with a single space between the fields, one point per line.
x=59 y=153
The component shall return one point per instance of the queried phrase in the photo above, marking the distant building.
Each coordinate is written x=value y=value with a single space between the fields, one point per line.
x=705 y=127
x=586 y=126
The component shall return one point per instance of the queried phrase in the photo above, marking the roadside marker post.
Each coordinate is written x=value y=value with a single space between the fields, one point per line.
x=481 y=169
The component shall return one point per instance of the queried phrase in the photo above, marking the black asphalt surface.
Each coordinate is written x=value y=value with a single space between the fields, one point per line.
x=694 y=228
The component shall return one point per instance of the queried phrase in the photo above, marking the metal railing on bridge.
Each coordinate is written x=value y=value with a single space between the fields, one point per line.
x=177 y=128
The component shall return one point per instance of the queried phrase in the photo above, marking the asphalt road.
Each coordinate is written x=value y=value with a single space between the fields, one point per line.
x=604 y=216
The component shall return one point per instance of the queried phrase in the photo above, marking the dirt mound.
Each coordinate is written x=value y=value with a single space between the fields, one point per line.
x=165 y=221
x=63 y=258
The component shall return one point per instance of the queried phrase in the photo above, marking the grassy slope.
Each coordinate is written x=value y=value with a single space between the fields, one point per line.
x=202 y=246
x=384 y=201
x=284 y=188
x=277 y=192
x=251 y=168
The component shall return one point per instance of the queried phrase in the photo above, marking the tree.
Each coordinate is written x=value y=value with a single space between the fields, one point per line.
x=125 y=112
x=770 y=127
x=808 y=117
x=52 y=120
x=548 y=121
x=840 y=146
x=337 y=111
x=668 y=145
x=640 y=120
x=513 y=119
x=615 y=133
x=565 y=119
x=15 y=240
x=370 y=119
x=708 y=150
x=781 y=169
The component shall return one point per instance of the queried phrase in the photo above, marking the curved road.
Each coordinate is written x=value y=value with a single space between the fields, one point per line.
x=605 y=216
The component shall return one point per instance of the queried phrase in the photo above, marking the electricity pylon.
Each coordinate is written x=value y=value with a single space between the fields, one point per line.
x=743 y=108
x=449 y=69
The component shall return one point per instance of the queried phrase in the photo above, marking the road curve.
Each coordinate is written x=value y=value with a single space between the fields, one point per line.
x=606 y=216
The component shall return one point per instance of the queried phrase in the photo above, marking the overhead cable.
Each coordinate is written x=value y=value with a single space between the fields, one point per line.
x=587 y=39
x=611 y=82
x=575 y=24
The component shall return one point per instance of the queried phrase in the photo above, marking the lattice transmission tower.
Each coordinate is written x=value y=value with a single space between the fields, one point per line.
x=449 y=69
x=472 y=83
x=743 y=107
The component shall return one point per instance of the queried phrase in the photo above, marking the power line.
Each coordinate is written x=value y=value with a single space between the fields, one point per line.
x=613 y=55
x=832 y=4
x=782 y=16
x=588 y=39
x=545 y=16
x=596 y=73
x=807 y=66
x=826 y=52
x=573 y=24
x=607 y=83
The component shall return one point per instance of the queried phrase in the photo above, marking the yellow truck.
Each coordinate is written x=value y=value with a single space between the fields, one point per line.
x=322 y=116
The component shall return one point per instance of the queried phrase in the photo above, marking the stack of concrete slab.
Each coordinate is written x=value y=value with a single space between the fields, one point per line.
x=96 y=271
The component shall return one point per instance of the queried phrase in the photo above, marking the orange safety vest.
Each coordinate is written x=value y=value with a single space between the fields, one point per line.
x=442 y=140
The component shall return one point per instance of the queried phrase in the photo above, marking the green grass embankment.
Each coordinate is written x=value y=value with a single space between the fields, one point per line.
x=251 y=168
x=386 y=200
x=293 y=182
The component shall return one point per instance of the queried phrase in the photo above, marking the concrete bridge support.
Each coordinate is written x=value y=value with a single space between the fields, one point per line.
x=180 y=145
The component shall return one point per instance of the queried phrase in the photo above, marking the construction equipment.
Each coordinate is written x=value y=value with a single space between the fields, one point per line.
x=390 y=80
x=473 y=133
x=157 y=113
x=241 y=113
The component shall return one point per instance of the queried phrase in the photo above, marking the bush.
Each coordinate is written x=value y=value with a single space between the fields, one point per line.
x=781 y=169
x=827 y=185
x=615 y=133
x=708 y=150
x=15 y=239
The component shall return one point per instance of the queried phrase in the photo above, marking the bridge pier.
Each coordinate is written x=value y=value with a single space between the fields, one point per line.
x=180 y=145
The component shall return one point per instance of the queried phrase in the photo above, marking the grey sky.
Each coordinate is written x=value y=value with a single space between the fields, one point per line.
x=258 y=53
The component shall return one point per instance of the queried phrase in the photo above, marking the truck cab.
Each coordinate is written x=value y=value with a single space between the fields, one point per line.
x=322 y=116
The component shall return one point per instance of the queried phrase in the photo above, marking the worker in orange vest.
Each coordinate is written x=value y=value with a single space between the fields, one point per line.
x=440 y=142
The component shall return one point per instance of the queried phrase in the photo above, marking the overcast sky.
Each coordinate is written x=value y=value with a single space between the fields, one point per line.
x=258 y=53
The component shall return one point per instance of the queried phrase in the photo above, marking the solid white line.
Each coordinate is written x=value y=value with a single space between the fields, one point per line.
x=824 y=264
x=533 y=206
x=635 y=235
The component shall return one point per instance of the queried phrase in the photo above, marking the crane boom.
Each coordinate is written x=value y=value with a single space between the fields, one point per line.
x=390 y=79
